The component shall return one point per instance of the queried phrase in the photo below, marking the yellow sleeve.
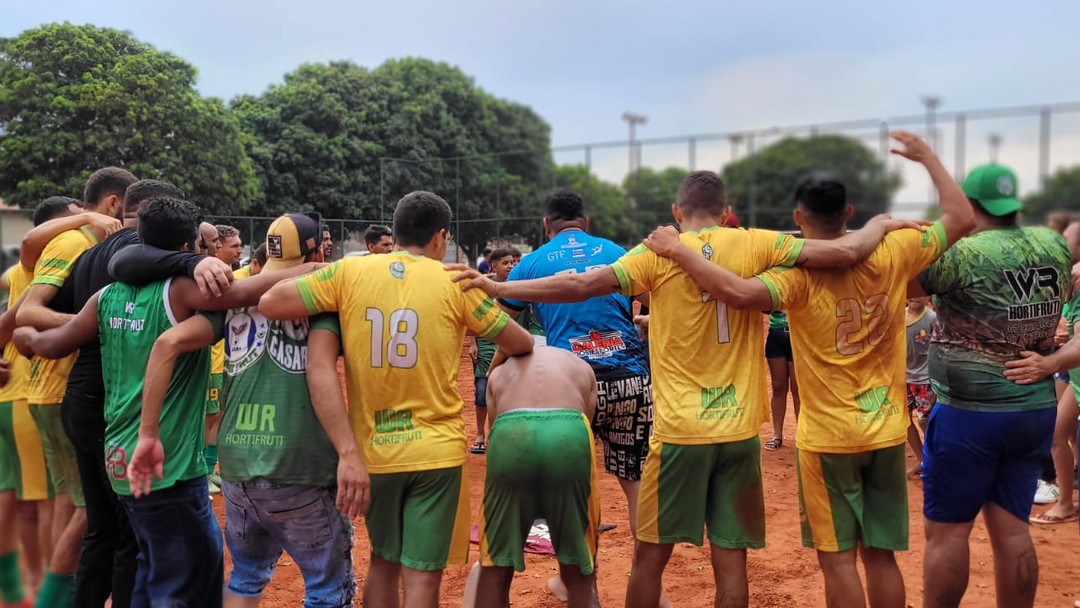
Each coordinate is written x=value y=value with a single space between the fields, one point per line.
x=321 y=290
x=636 y=270
x=772 y=249
x=55 y=263
x=787 y=287
x=914 y=250
x=482 y=316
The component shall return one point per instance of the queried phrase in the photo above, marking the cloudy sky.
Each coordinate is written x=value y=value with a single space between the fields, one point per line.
x=690 y=66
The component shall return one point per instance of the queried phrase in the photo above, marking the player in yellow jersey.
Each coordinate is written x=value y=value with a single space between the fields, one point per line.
x=849 y=341
x=403 y=323
x=703 y=467
x=103 y=193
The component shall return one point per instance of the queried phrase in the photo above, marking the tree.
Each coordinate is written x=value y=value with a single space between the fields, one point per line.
x=349 y=142
x=654 y=193
x=760 y=187
x=1060 y=193
x=605 y=204
x=77 y=98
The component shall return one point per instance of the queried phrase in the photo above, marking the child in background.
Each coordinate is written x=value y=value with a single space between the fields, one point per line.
x=481 y=351
x=920 y=398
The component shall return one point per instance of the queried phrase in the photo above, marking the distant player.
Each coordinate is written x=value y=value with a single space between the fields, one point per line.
x=781 y=374
x=481 y=351
x=231 y=247
x=919 y=321
x=327 y=244
x=404 y=325
x=847 y=341
x=540 y=465
x=255 y=266
x=379 y=239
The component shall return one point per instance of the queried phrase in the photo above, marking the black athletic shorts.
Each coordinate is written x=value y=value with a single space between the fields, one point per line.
x=778 y=344
x=624 y=419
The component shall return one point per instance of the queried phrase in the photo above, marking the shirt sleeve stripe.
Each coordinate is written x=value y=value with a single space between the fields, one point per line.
x=495 y=327
x=937 y=234
x=796 y=251
x=774 y=292
x=626 y=282
x=307 y=294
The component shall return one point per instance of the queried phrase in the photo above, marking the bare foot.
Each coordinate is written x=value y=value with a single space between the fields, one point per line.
x=556 y=586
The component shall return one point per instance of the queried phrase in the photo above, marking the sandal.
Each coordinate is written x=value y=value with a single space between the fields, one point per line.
x=1047 y=519
x=478 y=448
x=773 y=444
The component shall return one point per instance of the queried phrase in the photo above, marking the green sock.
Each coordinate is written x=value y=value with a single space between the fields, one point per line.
x=11 y=589
x=210 y=455
x=57 y=591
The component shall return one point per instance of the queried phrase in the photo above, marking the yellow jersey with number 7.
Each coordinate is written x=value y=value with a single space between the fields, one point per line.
x=708 y=360
x=403 y=325
x=849 y=343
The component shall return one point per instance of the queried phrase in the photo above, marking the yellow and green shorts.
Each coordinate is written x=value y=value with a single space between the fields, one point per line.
x=420 y=519
x=851 y=499
x=59 y=453
x=213 y=394
x=22 y=455
x=540 y=464
x=716 y=486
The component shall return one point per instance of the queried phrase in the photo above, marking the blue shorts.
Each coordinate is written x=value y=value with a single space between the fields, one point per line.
x=972 y=458
x=480 y=395
x=263 y=518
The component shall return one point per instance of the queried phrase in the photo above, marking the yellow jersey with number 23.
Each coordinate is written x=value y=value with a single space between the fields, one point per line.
x=403 y=324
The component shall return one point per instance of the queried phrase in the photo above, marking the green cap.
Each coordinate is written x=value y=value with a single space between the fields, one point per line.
x=994 y=187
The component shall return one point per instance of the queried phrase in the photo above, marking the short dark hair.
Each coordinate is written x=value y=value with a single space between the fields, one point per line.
x=501 y=253
x=104 y=183
x=517 y=253
x=260 y=255
x=701 y=193
x=169 y=223
x=823 y=195
x=564 y=204
x=486 y=251
x=418 y=217
x=145 y=189
x=224 y=231
x=376 y=232
x=52 y=208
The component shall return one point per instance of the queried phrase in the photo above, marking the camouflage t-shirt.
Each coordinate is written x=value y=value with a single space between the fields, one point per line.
x=997 y=292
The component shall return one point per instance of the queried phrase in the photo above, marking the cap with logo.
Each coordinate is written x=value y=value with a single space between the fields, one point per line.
x=995 y=189
x=290 y=239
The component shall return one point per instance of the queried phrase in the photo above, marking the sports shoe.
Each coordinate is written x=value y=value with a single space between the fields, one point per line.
x=215 y=489
x=1046 y=493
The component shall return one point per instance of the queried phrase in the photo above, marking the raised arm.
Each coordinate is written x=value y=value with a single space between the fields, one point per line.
x=61 y=341
x=353 y=482
x=34 y=242
x=575 y=287
x=957 y=216
x=149 y=458
x=717 y=281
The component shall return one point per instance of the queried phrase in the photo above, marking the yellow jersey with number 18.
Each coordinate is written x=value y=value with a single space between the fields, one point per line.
x=403 y=324
x=708 y=361
x=48 y=378
x=848 y=339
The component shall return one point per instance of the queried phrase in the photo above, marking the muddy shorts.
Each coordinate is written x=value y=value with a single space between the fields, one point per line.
x=540 y=464
x=624 y=419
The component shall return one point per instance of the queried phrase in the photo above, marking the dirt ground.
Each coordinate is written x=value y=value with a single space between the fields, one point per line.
x=782 y=574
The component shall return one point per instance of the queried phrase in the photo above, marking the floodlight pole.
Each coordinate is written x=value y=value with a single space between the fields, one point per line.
x=932 y=103
x=634 y=163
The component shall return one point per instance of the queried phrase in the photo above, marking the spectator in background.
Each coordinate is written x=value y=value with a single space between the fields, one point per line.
x=327 y=243
x=482 y=264
x=255 y=266
x=379 y=239
x=231 y=247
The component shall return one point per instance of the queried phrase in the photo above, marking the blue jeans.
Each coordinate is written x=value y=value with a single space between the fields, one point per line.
x=263 y=518
x=180 y=562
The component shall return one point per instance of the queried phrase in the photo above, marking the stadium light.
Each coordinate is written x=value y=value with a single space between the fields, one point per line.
x=994 y=140
x=932 y=103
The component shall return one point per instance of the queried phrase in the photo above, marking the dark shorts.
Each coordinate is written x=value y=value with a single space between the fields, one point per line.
x=972 y=458
x=480 y=392
x=624 y=419
x=778 y=344
x=920 y=399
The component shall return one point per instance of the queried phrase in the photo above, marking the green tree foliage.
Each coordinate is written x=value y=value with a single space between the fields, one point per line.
x=654 y=193
x=349 y=142
x=1060 y=193
x=605 y=204
x=760 y=187
x=77 y=98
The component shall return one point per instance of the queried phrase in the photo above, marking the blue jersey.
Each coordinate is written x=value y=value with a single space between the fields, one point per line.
x=599 y=330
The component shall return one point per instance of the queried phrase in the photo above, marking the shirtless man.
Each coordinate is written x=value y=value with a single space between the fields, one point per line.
x=539 y=465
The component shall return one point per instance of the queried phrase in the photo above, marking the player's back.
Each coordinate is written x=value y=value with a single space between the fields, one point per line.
x=403 y=324
x=707 y=359
x=548 y=378
x=848 y=338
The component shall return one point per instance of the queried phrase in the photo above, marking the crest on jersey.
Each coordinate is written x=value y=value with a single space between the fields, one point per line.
x=249 y=336
x=397 y=270
x=706 y=250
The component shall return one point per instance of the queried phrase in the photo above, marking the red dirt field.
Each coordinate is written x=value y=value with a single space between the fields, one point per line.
x=782 y=574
